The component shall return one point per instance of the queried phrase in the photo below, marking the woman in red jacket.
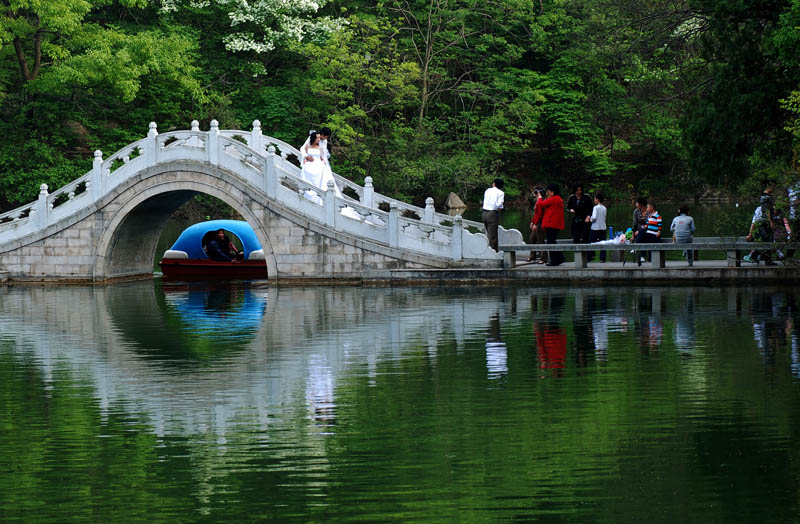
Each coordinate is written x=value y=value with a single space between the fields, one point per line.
x=551 y=212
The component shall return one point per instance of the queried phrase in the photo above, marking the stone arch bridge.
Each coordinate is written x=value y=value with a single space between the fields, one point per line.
x=106 y=224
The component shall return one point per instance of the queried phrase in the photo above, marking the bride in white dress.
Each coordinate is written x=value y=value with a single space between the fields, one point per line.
x=317 y=171
x=314 y=163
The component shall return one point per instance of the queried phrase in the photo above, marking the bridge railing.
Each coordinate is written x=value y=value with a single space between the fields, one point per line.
x=264 y=163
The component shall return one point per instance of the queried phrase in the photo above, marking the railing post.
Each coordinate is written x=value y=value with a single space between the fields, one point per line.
x=369 y=193
x=96 y=178
x=429 y=211
x=254 y=141
x=41 y=207
x=212 y=143
x=270 y=176
x=394 y=225
x=456 y=240
x=330 y=205
x=152 y=144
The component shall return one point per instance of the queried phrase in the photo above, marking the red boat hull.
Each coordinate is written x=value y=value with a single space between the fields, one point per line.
x=183 y=269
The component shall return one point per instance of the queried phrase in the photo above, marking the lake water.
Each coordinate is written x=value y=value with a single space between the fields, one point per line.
x=156 y=402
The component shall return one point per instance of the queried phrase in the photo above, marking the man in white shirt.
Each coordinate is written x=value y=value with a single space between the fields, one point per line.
x=492 y=204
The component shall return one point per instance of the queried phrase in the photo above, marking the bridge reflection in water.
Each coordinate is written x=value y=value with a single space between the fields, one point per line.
x=196 y=356
x=509 y=402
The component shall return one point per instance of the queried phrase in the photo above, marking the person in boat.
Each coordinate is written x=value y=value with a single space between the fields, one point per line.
x=221 y=249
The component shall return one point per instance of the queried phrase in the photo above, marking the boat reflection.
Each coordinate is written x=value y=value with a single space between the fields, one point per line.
x=220 y=309
x=188 y=324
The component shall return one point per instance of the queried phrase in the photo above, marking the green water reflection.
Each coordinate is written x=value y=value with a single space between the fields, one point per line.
x=549 y=404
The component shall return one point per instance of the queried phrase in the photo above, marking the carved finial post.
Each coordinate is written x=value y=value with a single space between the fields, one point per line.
x=152 y=144
x=330 y=204
x=195 y=126
x=457 y=240
x=369 y=193
x=96 y=178
x=213 y=143
x=429 y=211
x=42 y=210
x=255 y=136
x=394 y=225
x=270 y=176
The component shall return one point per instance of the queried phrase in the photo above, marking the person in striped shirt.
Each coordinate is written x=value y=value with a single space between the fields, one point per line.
x=652 y=234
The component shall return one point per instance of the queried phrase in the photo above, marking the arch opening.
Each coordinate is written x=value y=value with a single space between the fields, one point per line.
x=132 y=226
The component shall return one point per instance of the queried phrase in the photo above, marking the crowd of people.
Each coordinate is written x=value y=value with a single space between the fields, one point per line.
x=588 y=221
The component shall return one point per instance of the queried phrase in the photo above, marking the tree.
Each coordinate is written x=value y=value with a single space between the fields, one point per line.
x=63 y=63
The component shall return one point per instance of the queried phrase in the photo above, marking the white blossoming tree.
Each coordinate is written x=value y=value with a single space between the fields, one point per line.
x=261 y=26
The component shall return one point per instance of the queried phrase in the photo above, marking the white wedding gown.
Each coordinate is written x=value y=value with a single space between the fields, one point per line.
x=317 y=172
x=313 y=173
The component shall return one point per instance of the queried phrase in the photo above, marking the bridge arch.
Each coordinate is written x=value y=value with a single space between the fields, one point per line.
x=135 y=214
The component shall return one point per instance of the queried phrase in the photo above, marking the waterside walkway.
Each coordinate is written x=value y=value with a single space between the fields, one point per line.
x=596 y=273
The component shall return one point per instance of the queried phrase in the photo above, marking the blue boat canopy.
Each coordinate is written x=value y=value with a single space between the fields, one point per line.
x=191 y=240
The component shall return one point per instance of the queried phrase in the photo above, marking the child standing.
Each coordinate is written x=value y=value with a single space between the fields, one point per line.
x=683 y=228
x=598 y=220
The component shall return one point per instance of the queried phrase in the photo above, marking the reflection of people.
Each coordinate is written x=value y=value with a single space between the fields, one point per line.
x=492 y=204
x=496 y=351
x=551 y=347
x=684 y=333
x=795 y=355
x=221 y=249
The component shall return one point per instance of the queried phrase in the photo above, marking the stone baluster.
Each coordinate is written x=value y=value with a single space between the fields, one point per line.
x=394 y=225
x=96 y=178
x=429 y=211
x=270 y=175
x=254 y=141
x=330 y=205
x=456 y=241
x=152 y=144
x=212 y=144
x=194 y=140
x=369 y=193
x=42 y=209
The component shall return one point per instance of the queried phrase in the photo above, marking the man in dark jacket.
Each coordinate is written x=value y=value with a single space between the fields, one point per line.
x=219 y=248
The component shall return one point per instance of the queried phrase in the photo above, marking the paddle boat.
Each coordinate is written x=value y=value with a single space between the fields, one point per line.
x=187 y=258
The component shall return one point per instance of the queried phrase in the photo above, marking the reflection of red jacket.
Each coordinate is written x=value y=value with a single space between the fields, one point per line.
x=553 y=210
x=551 y=342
